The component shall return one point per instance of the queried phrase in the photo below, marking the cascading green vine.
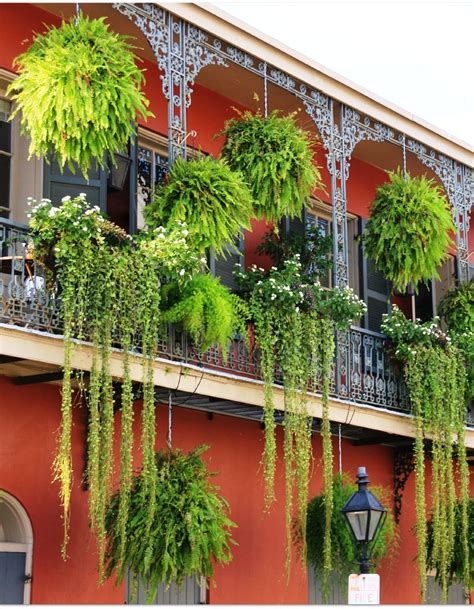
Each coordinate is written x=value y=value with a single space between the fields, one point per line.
x=110 y=287
x=294 y=323
x=326 y=359
x=435 y=374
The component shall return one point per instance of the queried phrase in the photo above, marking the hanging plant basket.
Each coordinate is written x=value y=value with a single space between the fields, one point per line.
x=79 y=91
x=209 y=312
x=276 y=158
x=211 y=199
x=343 y=550
x=408 y=232
x=191 y=528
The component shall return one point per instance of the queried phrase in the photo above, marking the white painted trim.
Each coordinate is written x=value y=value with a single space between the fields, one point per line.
x=27 y=546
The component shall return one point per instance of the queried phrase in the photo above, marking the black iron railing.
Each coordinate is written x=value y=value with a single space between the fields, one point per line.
x=360 y=372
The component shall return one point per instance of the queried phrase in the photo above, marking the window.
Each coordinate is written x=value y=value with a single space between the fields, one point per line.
x=16 y=546
x=376 y=289
x=5 y=157
x=152 y=167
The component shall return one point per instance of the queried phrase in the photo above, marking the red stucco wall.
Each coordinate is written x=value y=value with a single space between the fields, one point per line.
x=30 y=418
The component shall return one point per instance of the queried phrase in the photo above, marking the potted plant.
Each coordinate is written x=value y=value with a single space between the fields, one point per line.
x=342 y=547
x=190 y=531
x=408 y=232
x=208 y=196
x=79 y=91
x=208 y=311
x=276 y=158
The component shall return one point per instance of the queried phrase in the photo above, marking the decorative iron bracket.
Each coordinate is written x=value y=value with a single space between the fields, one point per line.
x=403 y=465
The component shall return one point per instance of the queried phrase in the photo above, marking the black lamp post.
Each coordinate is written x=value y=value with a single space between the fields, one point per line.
x=365 y=516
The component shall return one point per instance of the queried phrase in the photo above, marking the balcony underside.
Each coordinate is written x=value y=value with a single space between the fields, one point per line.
x=41 y=355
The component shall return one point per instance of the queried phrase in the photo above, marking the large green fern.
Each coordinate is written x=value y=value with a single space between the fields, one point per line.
x=209 y=312
x=408 y=232
x=276 y=158
x=211 y=199
x=78 y=92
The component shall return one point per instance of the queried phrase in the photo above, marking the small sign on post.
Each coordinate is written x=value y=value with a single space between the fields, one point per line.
x=364 y=589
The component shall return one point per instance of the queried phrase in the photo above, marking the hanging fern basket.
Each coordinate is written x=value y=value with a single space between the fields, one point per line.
x=276 y=158
x=408 y=232
x=191 y=531
x=209 y=197
x=79 y=91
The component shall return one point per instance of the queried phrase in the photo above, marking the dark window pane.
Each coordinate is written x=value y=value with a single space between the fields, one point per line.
x=58 y=191
x=4 y=184
x=5 y=136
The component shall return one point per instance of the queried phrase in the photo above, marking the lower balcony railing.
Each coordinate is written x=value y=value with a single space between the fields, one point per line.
x=360 y=372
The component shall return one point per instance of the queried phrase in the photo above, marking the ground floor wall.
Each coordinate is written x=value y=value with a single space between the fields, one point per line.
x=29 y=419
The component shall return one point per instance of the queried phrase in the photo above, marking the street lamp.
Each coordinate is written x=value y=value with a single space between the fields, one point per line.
x=365 y=516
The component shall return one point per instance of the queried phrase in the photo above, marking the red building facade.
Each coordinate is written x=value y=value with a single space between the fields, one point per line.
x=359 y=141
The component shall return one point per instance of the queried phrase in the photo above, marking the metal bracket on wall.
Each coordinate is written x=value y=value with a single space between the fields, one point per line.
x=403 y=465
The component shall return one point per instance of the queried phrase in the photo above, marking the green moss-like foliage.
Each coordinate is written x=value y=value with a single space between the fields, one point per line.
x=78 y=92
x=457 y=308
x=343 y=548
x=276 y=159
x=191 y=530
x=407 y=234
x=457 y=566
x=209 y=312
x=211 y=199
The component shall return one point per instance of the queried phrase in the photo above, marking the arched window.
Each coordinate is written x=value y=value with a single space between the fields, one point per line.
x=16 y=546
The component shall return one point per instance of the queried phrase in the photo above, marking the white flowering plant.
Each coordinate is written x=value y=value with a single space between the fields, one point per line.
x=289 y=288
x=173 y=251
x=407 y=335
x=54 y=229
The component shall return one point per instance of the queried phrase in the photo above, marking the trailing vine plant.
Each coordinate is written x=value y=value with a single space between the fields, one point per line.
x=294 y=322
x=435 y=374
x=109 y=286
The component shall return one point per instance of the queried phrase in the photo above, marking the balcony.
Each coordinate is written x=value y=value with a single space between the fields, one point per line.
x=361 y=373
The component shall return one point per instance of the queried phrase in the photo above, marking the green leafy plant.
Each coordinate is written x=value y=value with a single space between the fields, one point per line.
x=408 y=232
x=209 y=312
x=206 y=194
x=276 y=158
x=457 y=309
x=343 y=550
x=294 y=325
x=191 y=530
x=314 y=250
x=79 y=93
x=109 y=286
x=435 y=374
x=457 y=566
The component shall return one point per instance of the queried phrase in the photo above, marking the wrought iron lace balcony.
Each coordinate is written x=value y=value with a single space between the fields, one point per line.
x=360 y=372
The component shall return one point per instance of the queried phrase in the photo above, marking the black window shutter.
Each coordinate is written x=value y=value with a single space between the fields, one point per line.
x=57 y=184
x=375 y=289
x=224 y=266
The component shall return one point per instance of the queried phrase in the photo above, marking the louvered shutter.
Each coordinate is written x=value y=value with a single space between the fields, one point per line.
x=224 y=266
x=375 y=290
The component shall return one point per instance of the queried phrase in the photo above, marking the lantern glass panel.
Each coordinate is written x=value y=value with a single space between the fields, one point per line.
x=358 y=523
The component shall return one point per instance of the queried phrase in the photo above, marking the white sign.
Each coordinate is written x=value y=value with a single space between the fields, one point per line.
x=364 y=589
